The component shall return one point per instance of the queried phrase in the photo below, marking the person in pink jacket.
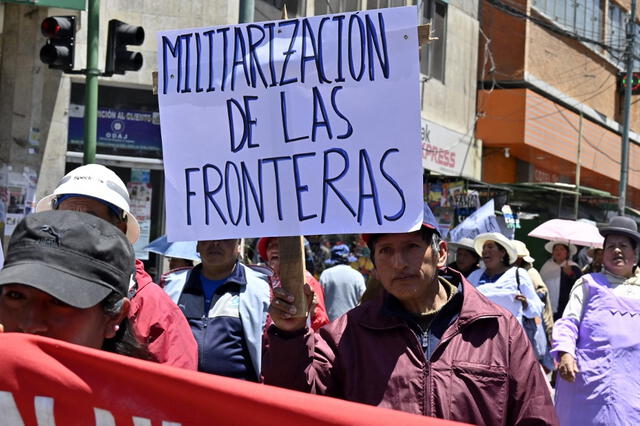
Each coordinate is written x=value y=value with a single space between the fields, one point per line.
x=430 y=344
x=157 y=321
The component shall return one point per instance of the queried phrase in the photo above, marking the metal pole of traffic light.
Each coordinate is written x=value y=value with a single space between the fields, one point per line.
x=91 y=82
x=246 y=11
x=624 y=161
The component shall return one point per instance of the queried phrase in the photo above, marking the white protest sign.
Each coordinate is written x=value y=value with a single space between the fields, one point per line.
x=481 y=221
x=303 y=126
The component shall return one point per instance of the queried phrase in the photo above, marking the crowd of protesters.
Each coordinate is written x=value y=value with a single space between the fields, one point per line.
x=486 y=339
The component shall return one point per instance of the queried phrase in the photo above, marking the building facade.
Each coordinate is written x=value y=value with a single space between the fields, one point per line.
x=549 y=96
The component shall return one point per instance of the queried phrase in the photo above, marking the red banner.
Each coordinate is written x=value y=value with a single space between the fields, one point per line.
x=48 y=382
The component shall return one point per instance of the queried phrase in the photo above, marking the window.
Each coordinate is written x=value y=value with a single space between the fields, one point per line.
x=581 y=17
x=616 y=32
x=323 y=7
x=379 y=4
x=433 y=53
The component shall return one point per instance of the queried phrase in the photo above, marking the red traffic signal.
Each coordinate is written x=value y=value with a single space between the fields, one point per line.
x=60 y=32
x=119 y=59
x=635 y=82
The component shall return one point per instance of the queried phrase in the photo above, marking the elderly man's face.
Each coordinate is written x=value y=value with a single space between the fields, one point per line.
x=24 y=309
x=406 y=265
x=219 y=253
x=619 y=255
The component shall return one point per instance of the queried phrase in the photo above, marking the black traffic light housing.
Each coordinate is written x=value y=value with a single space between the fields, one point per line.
x=119 y=59
x=635 y=82
x=60 y=32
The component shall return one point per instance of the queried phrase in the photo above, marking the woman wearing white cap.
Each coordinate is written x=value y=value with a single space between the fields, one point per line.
x=505 y=285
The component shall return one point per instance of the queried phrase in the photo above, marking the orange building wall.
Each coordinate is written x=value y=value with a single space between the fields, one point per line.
x=546 y=135
x=507 y=43
x=573 y=69
x=497 y=168
x=518 y=46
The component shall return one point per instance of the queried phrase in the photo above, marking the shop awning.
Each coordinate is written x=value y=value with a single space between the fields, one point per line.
x=563 y=188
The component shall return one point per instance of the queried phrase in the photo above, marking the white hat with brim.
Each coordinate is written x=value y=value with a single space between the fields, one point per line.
x=96 y=181
x=498 y=238
x=523 y=251
x=551 y=244
x=465 y=243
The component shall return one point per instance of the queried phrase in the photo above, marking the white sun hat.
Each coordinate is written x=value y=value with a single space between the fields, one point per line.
x=498 y=238
x=465 y=243
x=523 y=251
x=551 y=244
x=97 y=181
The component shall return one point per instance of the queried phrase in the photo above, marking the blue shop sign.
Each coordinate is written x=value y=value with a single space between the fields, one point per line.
x=118 y=130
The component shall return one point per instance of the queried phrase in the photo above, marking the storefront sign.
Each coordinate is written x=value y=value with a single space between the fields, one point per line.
x=444 y=150
x=122 y=129
x=302 y=126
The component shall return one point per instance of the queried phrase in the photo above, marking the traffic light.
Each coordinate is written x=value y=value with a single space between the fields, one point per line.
x=119 y=59
x=60 y=32
x=635 y=82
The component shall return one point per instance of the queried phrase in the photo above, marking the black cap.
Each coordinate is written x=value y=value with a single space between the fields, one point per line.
x=75 y=257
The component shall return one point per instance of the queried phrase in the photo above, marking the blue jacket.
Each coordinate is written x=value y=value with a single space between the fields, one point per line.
x=254 y=298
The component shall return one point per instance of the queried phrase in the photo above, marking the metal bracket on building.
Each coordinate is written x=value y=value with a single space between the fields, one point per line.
x=424 y=34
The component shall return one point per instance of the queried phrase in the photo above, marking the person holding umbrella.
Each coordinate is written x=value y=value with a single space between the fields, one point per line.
x=559 y=273
x=597 y=340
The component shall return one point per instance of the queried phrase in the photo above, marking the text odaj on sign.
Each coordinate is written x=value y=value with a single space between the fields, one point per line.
x=301 y=126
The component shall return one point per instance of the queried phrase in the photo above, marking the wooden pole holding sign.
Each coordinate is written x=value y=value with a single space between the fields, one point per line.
x=292 y=270
x=291 y=253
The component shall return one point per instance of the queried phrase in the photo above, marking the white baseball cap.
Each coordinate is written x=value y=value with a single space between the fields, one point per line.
x=96 y=181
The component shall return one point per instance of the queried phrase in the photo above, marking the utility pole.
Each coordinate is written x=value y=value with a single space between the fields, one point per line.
x=624 y=163
x=246 y=11
x=91 y=82
x=576 y=205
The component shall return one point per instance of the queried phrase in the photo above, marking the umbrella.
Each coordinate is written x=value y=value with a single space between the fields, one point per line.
x=181 y=249
x=569 y=231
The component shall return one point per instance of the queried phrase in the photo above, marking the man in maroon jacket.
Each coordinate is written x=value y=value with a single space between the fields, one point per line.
x=430 y=344
x=157 y=321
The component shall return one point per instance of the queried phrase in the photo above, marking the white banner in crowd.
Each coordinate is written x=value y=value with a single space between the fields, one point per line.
x=302 y=126
x=481 y=221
